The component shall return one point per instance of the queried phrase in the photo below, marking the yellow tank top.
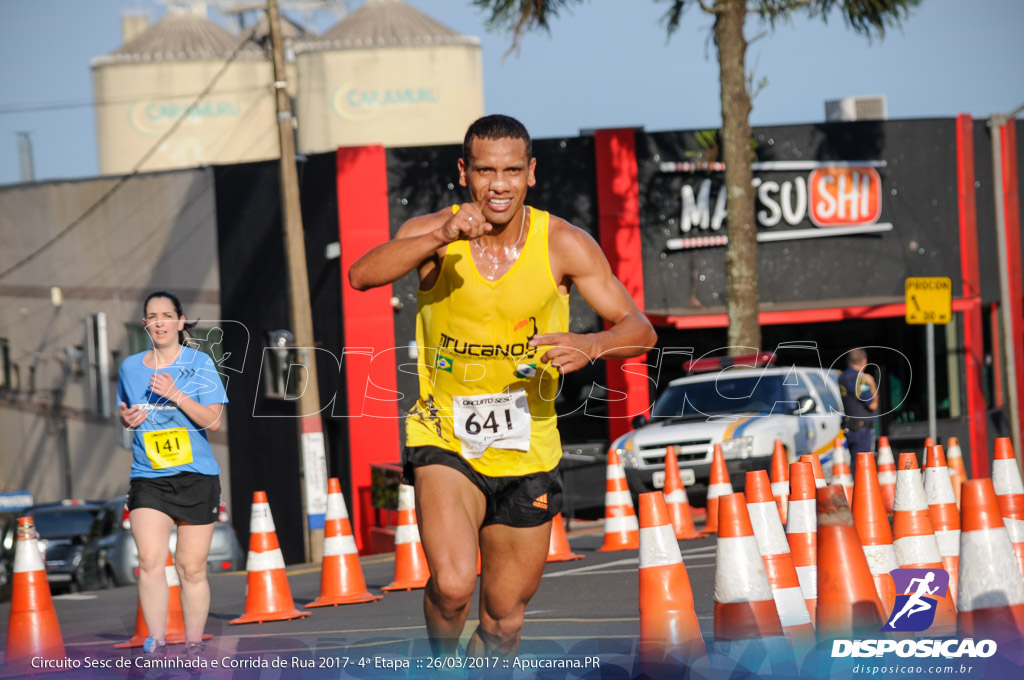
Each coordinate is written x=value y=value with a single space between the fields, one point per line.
x=483 y=392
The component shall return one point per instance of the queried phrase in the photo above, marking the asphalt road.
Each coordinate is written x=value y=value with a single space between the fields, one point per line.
x=586 y=610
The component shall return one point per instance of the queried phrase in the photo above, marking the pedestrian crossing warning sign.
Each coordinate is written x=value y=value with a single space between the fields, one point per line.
x=929 y=300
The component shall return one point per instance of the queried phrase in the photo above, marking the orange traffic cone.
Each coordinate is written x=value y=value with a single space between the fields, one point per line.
x=991 y=595
x=558 y=545
x=780 y=479
x=32 y=627
x=174 y=631
x=886 y=473
x=744 y=605
x=938 y=491
x=676 y=500
x=955 y=462
x=1009 y=489
x=778 y=562
x=718 y=485
x=841 y=474
x=914 y=537
x=928 y=441
x=872 y=525
x=819 y=474
x=847 y=600
x=411 y=570
x=668 y=621
x=621 y=531
x=341 y=575
x=268 y=596
x=802 y=532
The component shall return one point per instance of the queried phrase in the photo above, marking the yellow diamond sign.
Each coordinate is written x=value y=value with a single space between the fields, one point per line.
x=929 y=299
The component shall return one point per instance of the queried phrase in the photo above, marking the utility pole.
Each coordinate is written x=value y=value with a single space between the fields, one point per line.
x=312 y=458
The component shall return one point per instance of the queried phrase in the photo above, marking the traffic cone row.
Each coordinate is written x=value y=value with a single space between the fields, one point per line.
x=780 y=480
x=719 y=485
x=955 y=462
x=268 y=596
x=886 y=473
x=676 y=500
x=1006 y=480
x=668 y=620
x=802 y=532
x=943 y=512
x=914 y=536
x=621 y=530
x=32 y=627
x=778 y=562
x=872 y=522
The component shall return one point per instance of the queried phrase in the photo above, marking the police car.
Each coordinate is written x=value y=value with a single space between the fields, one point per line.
x=742 y=403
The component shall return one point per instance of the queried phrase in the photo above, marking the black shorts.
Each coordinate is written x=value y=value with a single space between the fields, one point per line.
x=186 y=497
x=518 y=501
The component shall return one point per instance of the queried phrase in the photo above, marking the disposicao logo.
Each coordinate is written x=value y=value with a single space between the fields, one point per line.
x=921 y=589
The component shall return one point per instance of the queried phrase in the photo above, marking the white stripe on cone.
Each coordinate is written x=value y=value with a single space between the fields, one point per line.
x=881 y=558
x=1015 y=529
x=264 y=561
x=614 y=472
x=720 y=489
x=339 y=545
x=803 y=517
x=792 y=606
x=949 y=542
x=780 y=488
x=262 y=522
x=617 y=498
x=614 y=525
x=172 y=576
x=658 y=547
x=909 y=491
x=406 y=497
x=677 y=496
x=917 y=550
x=407 y=533
x=1006 y=477
x=808 y=578
x=885 y=456
x=886 y=477
x=764 y=518
x=938 y=488
x=990 y=558
x=27 y=556
x=336 y=507
x=732 y=553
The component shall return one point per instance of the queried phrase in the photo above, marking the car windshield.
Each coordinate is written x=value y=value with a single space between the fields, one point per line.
x=70 y=522
x=724 y=394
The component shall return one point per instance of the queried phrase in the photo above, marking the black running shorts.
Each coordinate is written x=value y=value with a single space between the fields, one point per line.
x=520 y=501
x=186 y=497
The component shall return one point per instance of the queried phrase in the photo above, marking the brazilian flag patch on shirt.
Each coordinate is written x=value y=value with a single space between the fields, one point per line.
x=526 y=370
x=444 y=364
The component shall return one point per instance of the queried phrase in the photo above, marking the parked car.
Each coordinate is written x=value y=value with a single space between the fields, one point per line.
x=742 y=409
x=8 y=537
x=64 y=529
x=116 y=557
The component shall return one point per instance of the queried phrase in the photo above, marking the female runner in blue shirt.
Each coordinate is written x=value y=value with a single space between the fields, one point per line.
x=172 y=395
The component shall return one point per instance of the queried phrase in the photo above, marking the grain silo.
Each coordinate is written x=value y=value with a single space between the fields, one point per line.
x=144 y=87
x=387 y=74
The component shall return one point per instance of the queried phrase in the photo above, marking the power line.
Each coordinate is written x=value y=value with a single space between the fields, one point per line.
x=86 y=103
x=134 y=171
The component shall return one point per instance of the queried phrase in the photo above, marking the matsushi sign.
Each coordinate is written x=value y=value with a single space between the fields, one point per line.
x=795 y=200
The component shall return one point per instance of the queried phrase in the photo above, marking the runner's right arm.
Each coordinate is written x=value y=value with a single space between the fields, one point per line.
x=417 y=245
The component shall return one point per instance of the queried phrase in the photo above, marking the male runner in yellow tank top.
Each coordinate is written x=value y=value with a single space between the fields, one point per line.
x=492 y=327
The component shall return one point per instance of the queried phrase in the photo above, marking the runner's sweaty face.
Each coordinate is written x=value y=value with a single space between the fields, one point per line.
x=500 y=166
x=162 y=322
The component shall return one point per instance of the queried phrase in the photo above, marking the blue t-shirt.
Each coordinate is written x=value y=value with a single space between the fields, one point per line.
x=167 y=442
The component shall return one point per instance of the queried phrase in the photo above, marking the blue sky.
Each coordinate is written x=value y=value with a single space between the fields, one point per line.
x=606 y=64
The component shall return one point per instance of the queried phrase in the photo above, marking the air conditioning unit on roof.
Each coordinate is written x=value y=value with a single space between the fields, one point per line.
x=873 y=107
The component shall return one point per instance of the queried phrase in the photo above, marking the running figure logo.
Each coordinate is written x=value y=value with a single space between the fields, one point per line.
x=915 y=608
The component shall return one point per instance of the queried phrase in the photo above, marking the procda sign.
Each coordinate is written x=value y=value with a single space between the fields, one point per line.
x=837 y=198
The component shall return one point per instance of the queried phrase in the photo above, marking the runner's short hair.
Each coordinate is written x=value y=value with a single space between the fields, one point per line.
x=496 y=126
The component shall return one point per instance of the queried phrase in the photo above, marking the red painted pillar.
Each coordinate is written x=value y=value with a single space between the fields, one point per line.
x=368 y=361
x=618 y=205
x=1011 y=208
x=974 y=351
